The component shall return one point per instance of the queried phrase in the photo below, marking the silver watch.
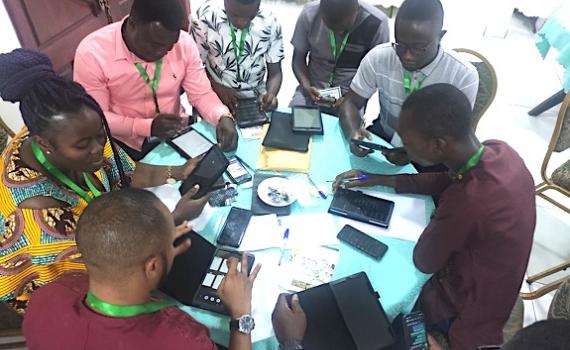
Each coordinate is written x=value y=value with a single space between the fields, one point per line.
x=245 y=324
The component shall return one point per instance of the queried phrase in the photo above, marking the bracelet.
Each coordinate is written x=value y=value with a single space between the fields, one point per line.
x=170 y=180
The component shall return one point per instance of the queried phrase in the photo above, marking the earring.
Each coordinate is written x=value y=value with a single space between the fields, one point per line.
x=48 y=152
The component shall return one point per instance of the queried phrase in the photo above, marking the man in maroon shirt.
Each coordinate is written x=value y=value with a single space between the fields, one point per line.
x=126 y=240
x=478 y=243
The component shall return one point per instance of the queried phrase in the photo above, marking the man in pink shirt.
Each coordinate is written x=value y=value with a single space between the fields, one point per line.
x=136 y=70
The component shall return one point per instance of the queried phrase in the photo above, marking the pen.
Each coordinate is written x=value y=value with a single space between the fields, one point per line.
x=323 y=196
x=283 y=246
x=359 y=177
x=244 y=163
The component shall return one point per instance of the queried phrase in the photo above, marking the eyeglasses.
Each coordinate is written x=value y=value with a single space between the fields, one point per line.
x=414 y=50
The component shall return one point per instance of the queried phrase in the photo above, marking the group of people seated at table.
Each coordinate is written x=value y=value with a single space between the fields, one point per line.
x=71 y=189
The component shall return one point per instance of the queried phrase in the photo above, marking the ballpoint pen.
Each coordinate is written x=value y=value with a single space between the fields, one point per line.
x=244 y=163
x=359 y=177
x=321 y=193
x=284 y=246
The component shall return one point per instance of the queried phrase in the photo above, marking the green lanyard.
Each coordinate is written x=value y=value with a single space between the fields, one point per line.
x=408 y=88
x=112 y=310
x=238 y=50
x=471 y=163
x=153 y=85
x=58 y=174
x=335 y=54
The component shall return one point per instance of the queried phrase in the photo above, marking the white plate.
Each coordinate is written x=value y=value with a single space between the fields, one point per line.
x=276 y=184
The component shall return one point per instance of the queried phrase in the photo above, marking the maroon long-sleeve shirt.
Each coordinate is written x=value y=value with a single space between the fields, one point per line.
x=477 y=244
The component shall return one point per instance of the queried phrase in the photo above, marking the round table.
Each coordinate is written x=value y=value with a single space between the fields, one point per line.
x=394 y=277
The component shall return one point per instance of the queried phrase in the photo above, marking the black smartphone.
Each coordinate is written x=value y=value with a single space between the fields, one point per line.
x=237 y=172
x=234 y=228
x=207 y=172
x=363 y=242
x=369 y=145
x=415 y=331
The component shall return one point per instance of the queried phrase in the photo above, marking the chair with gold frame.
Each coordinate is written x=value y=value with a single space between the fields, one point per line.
x=487 y=82
x=558 y=181
x=5 y=134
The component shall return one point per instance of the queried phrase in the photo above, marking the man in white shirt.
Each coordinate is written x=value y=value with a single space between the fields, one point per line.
x=395 y=70
x=239 y=42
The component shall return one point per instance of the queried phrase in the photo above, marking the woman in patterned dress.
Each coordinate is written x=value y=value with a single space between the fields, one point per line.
x=38 y=210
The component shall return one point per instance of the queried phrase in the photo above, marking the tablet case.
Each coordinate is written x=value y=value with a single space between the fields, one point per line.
x=298 y=126
x=258 y=207
x=280 y=134
x=184 y=281
x=248 y=113
x=345 y=315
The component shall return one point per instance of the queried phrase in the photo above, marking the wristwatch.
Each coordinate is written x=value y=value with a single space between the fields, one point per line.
x=245 y=324
x=170 y=180
x=291 y=345
x=229 y=115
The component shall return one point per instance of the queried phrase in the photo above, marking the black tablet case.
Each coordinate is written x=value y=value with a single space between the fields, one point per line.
x=258 y=207
x=345 y=315
x=280 y=134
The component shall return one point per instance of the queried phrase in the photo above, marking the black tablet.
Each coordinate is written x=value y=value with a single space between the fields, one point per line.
x=249 y=113
x=189 y=143
x=362 y=207
x=206 y=173
x=307 y=120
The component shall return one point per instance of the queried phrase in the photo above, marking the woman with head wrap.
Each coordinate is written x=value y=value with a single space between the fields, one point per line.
x=52 y=169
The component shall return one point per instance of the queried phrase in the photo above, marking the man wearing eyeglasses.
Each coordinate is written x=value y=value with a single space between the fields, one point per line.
x=396 y=70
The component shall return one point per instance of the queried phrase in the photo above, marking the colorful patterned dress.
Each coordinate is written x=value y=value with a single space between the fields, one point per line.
x=38 y=245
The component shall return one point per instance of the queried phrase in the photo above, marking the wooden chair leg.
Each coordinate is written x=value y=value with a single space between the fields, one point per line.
x=551 y=271
x=543 y=290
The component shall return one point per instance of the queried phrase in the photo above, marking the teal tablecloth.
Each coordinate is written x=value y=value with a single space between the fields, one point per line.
x=394 y=277
x=556 y=34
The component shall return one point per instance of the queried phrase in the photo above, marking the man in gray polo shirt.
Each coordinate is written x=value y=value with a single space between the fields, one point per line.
x=414 y=61
x=336 y=34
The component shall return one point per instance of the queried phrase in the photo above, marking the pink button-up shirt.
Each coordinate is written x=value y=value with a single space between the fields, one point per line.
x=106 y=69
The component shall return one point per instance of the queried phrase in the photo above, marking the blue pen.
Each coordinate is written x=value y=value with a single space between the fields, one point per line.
x=359 y=177
x=244 y=163
x=321 y=193
x=284 y=246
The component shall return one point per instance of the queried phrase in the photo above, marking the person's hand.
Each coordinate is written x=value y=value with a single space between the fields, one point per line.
x=165 y=125
x=397 y=156
x=313 y=93
x=338 y=102
x=227 y=95
x=433 y=344
x=338 y=181
x=183 y=246
x=188 y=208
x=267 y=102
x=188 y=167
x=226 y=134
x=289 y=323
x=360 y=134
x=235 y=289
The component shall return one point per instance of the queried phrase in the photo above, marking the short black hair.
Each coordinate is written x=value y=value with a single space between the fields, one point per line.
x=121 y=229
x=167 y=12
x=421 y=10
x=440 y=110
x=337 y=9
x=549 y=334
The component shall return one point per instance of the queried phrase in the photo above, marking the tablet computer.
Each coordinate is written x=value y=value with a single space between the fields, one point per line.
x=307 y=120
x=206 y=173
x=189 y=143
x=362 y=207
x=197 y=273
x=249 y=114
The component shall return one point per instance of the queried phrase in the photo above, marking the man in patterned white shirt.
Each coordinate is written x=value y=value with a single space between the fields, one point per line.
x=239 y=42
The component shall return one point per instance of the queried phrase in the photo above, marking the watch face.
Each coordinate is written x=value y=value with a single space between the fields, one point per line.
x=246 y=324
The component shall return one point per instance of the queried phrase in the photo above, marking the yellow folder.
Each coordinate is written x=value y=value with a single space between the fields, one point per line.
x=282 y=160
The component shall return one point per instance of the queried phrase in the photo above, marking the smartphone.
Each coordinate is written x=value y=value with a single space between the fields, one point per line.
x=234 y=229
x=369 y=145
x=207 y=172
x=415 y=331
x=237 y=172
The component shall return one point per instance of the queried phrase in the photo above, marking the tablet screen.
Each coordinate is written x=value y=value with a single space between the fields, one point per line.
x=307 y=118
x=192 y=143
